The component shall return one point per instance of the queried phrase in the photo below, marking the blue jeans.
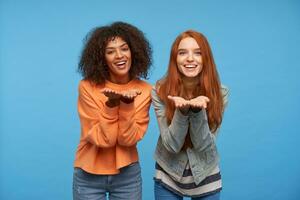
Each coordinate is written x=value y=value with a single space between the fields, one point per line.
x=125 y=185
x=162 y=193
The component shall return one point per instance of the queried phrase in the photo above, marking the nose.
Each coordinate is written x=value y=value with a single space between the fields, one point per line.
x=190 y=57
x=119 y=54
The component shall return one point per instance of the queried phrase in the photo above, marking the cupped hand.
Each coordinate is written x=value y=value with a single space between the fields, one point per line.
x=111 y=94
x=179 y=102
x=199 y=102
x=130 y=94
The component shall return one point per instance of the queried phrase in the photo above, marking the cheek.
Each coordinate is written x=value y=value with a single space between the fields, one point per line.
x=179 y=61
x=199 y=59
x=180 y=68
x=200 y=69
x=108 y=60
x=129 y=55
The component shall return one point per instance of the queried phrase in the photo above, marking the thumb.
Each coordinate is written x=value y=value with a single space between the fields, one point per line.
x=138 y=92
x=104 y=90
x=170 y=97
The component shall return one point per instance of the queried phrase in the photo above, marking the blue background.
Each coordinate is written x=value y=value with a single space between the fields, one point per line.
x=256 y=49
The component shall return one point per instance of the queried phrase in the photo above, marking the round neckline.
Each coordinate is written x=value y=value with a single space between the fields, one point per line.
x=118 y=86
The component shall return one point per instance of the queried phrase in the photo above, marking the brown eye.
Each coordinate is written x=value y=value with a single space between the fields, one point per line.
x=198 y=53
x=181 y=53
x=109 y=52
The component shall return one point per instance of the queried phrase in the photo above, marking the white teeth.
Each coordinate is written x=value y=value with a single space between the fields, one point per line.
x=120 y=63
x=190 y=66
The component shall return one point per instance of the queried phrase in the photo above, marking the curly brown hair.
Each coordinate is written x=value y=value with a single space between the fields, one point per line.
x=92 y=64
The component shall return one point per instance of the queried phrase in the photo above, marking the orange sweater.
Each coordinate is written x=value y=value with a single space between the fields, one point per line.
x=109 y=135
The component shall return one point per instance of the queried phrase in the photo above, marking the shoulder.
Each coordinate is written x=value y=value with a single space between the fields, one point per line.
x=144 y=86
x=156 y=88
x=225 y=93
x=83 y=85
x=224 y=90
x=157 y=101
x=154 y=91
x=87 y=87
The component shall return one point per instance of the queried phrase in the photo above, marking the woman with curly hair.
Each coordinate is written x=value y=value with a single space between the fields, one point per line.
x=189 y=103
x=113 y=107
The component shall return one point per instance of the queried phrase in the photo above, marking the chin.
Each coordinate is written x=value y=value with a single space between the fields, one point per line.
x=191 y=75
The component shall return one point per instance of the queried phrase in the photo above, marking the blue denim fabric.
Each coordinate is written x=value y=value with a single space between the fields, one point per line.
x=123 y=186
x=162 y=193
x=169 y=154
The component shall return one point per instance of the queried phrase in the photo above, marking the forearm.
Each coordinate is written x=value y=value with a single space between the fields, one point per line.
x=173 y=136
x=100 y=130
x=201 y=136
x=133 y=122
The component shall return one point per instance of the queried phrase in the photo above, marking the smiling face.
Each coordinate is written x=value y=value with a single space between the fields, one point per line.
x=118 y=59
x=189 y=58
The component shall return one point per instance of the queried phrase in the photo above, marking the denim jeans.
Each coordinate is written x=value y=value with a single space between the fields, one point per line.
x=162 y=193
x=125 y=185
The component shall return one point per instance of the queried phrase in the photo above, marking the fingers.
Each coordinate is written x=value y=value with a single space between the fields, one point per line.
x=200 y=102
x=138 y=92
x=111 y=94
x=181 y=105
x=205 y=101
x=128 y=96
x=108 y=90
x=131 y=94
x=179 y=102
x=104 y=90
x=205 y=98
x=170 y=97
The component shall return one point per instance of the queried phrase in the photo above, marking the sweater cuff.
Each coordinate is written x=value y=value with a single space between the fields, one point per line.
x=201 y=114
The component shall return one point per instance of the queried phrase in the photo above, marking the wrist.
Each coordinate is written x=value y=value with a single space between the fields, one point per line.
x=196 y=109
x=112 y=103
x=126 y=100
x=184 y=110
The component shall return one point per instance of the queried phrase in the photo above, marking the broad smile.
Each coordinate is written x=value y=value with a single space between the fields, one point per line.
x=120 y=64
x=190 y=66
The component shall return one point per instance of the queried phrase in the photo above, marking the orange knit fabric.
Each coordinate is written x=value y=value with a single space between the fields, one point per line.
x=109 y=135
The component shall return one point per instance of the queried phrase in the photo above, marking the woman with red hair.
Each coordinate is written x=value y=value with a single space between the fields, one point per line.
x=189 y=103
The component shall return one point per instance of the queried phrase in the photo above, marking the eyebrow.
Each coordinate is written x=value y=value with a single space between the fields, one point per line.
x=186 y=49
x=124 y=44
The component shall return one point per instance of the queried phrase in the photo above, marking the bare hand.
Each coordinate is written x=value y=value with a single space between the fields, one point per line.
x=199 y=102
x=179 y=102
x=126 y=96
x=130 y=94
x=111 y=94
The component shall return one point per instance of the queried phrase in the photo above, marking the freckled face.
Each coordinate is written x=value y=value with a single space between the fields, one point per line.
x=189 y=58
x=118 y=59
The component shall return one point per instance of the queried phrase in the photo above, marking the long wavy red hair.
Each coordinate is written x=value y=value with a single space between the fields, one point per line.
x=209 y=82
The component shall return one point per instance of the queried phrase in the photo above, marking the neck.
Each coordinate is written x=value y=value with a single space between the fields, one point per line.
x=119 y=80
x=189 y=84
